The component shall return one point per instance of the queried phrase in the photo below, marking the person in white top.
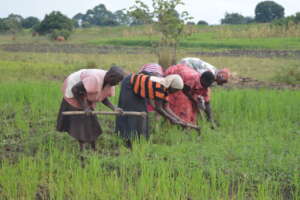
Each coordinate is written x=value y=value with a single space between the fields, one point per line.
x=221 y=76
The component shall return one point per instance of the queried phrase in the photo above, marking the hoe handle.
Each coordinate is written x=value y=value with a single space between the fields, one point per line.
x=142 y=114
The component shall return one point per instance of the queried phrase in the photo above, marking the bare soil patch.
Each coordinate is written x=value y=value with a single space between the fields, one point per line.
x=247 y=82
x=88 y=49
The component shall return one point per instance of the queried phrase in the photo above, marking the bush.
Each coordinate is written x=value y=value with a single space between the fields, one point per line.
x=30 y=22
x=293 y=19
x=268 y=11
x=202 y=22
x=55 y=21
x=290 y=76
x=3 y=26
x=56 y=33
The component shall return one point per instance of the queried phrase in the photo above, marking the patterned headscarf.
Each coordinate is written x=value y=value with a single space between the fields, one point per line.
x=223 y=75
x=152 y=68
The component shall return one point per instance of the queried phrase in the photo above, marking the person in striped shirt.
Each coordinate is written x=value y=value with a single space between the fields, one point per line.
x=136 y=91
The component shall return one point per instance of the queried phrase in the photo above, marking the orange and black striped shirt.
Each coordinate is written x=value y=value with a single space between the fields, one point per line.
x=145 y=88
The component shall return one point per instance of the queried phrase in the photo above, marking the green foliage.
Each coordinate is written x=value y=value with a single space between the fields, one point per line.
x=253 y=155
x=12 y=24
x=54 y=21
x=202 y=22
x=140 y=14
x=288 y=21
x=3 y=26
x=290 y=75
x=267 y=11
x=100 y=16
x=56 y=33
x=167 y=21
x=236 y=18
x=30 y=22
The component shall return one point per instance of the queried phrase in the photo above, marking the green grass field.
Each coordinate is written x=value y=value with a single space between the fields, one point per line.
x=204 y=38
x=254 y=154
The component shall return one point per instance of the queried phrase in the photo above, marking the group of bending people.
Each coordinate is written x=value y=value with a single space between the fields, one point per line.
x=177 y=94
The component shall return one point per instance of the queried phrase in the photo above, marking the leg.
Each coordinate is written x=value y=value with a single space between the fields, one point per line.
x=81 y=144
x=93 y=145
x=128 y=144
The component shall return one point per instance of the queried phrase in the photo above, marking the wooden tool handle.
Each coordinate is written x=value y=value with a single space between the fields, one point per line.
x=143 y=114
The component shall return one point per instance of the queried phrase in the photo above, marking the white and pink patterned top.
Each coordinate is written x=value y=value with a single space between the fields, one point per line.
x=92 y=80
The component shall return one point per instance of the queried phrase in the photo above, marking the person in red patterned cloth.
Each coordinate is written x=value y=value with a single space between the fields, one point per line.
x=186 y=103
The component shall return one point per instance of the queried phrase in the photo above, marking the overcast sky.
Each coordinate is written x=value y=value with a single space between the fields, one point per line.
x=211 y=11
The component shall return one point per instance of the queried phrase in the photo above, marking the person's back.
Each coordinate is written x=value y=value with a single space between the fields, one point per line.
x=198 y=65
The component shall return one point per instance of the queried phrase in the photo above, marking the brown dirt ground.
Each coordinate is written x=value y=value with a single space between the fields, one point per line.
x=247 y=82
x=235 y=82
x=83 y=48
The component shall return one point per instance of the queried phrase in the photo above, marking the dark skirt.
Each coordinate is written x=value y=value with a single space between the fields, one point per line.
x=83 y=128
x=129 y=127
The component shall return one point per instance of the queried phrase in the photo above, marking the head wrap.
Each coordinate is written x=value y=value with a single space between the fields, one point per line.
x=170 y=81
x=152 y=68
x=223 y=75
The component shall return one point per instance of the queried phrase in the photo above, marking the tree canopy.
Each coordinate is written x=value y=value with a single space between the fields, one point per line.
x=54 y=21
x=30 y=22
x=101 y=16
x=268 y=11
x=236 y=18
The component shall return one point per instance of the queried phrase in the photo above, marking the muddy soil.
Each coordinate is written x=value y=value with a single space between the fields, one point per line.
x=70 y=48
x=235 y=82
x=89 y=49
x=252 y=53
x=247 y=82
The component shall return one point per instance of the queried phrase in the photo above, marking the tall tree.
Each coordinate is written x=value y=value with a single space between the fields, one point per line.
x=235 y=18
x=3 y=26
x=30 y=22
x=268 y=11
x=14 y=22
x=55 y=21
x=167 y=21
x=202 y=22
x=98 y=16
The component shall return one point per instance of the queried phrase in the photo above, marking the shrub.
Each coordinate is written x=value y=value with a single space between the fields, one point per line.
x=56 y=33
x=290 y=76
x=55 y=21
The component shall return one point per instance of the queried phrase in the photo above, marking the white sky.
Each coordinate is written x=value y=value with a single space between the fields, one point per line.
x=211 y=11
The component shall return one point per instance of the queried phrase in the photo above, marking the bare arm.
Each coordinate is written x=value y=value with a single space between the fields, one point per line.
x=208 y=113
x=80 y=94
x=107 y=103
x=159 y=108
x=186 y=91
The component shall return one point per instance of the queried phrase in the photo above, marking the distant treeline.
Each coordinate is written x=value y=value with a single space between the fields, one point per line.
x=59 y=24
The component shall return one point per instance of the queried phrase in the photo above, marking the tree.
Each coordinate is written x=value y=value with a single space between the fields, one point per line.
x=202 y=22
x=140 y=14
x=121 y=17
x=54 y=21
x=98 y=16
x=166 y=21
x=3 y=26
x=286 y=22
x=268 y=11
x=235 y=18
x=190 y=23
x=30 y=22
x=14 y=23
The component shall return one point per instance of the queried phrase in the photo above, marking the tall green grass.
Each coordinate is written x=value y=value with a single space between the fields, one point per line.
x=254 y=154
x=217 y=38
